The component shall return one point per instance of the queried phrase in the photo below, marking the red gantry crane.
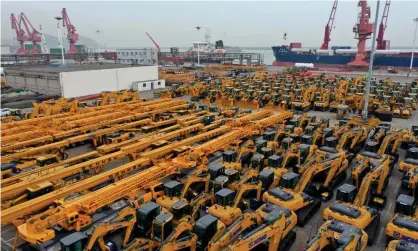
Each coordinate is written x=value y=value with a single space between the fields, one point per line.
x=72 y=36
x=20 y=34
x=363 y=30
x=330 y=25
x=381 y=43
x=33 y=34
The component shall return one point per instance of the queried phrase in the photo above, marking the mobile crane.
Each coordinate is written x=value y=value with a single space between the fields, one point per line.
x=77 y=214
x=108 y=176
x=294 y=198
x=403 y=225
x=230 y=205
x=350 y=208
x=252 y=220
x=336 y=235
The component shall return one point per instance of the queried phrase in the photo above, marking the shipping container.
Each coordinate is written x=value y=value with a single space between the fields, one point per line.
x=55 y=50
x=81 y=48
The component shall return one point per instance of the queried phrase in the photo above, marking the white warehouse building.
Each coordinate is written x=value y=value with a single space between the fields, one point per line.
x=144 y=56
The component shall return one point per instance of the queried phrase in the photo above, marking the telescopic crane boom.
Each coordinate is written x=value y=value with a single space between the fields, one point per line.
x=153 y=41
x=32 y=36
x=381 y=43
x=330 y=25
x=72 y=36
x=20 y=34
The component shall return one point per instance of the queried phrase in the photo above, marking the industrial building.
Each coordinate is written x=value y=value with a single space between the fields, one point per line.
x=145 y=56
x=82 y=80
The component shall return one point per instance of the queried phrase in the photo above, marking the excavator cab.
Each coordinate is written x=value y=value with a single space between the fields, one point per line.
x=74 y=242
x=371 y=146
x=180 y=209
x=304 y=152
x=412 y=153
x=331 y=142
x=259 y=144
x=309 y=130
x=289 y=180
x=229 y=176
x=225 y=197
x=215 y=170
x=289 y=128
x=346 y=193
x=205 y=228
x=306 y=139
x=145 y=216
x=405 y=205
x=46 y=160
x=293 y=122
x=257 y=161
x=162 y=226
x=173 y=188
x=328 y=132
x=35 y=191
x=269 y=136
x=207 y=120
x=229 y=156
x=287 y=143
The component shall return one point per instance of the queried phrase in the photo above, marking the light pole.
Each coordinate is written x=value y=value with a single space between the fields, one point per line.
x=198 y=47
x=369 y=75
x=413 y=44
x=60 y=39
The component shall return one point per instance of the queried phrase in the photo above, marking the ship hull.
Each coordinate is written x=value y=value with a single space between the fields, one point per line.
x=285 y=57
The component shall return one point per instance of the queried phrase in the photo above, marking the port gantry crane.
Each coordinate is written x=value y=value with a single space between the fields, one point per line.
x=72 y=36
x=330 y=25
x=381 y=43
x=32 y=36
x=21 y=37
x=363 y=29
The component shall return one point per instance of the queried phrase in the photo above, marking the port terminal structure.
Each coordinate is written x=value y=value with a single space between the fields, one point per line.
x=163 y=57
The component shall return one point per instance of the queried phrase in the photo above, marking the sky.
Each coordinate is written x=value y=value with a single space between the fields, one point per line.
x=237 y=23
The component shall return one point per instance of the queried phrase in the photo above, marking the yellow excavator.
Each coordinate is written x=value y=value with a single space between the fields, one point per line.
x=241 y=160
x=229 y=205
x=174 y=190
x=336 y=235
x=402 y=245
x=291 y=193
x=274 y=231
x=411 y=160
x=252 y=220
x=351 y=207
x=403 y=225
x=322 y=101
x=126 y=218
x=165 y=236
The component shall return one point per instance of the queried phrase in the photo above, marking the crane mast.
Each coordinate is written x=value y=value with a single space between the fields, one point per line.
x=155 y=43
x=32 y=36
x=381 y=43
x=363 y=29
x=330 y=25
x=20 y=34
x=72 y=36
x=44 y=44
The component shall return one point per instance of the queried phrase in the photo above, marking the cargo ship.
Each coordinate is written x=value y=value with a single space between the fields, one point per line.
x=339 y=57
